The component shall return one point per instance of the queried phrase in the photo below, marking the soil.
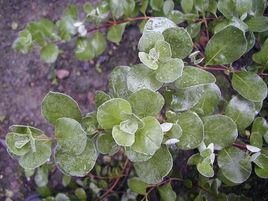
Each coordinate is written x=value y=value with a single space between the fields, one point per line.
x=24 y=80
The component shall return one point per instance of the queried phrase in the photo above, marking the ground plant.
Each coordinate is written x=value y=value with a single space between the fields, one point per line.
x=189 y=93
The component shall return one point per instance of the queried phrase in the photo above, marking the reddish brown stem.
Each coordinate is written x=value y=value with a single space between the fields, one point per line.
x=240 y=146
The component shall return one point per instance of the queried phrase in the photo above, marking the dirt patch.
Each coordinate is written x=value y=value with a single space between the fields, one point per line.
x=24 y=80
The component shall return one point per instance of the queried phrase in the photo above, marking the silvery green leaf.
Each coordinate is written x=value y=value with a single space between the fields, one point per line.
x=156 y=168
x=220 y=130
x=70 y=136
x=148 y=139
x=226 y=46
x=135 y=156
x=136 y=185
x=258 y=24
x=12 y=138
x=241 y=111
x=193 y=76
x=192 y=130
x=56 y=105
x=148 y=40
x=111 y=112
x=77 y=165
x=170 y=70
x=205 y=169
x=105 y=144
x=148 y=61
x=141 y=77
x=122 y=138
x=253 y=149
x=180 y=42
x=129 y=126
x=166 y=193
x=234 y=164
x=146 y=102
x=158 y=24
x=261 y=57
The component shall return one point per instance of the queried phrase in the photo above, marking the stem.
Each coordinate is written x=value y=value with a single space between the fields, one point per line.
x=107 y=192
x=240 y=146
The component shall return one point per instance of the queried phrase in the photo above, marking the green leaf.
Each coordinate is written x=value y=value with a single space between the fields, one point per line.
x=234 y=164
x=81 y=194
x=70 y=136
x=41 y=176
x=158 y=24
x=148 y=40
x=209 y=100
x=147 y=60
x=24 y=42
x=71 y=11
x=185 y=99
x=101 y=97
x=62 y=197
x=258 y=24
x=170 y=70
x=205 y=169
x=84 y=50
x=250 y=40
x=118 y=82
x=220 y=130
x=193 y=76
x=155 y=169
x=168 y=6
x=194 y=159
x=166 y=193
x=32 y=160
x=137 y=186
x=148 y=139
x=11 y=140
x=258 y=7
x=49 y=53
x=234 y=8
x=90 y=123
x=115 y=33
x=56 y=105
x=135 y=156
x=98 y=42
x=146 y=102
x=201 y=5
x=241 y=111
x=164 y=50
x=260 y=126
x=194 y=29
x=141 y=77
x=261 y=169
x=187 y=5
x=129 y=126
x=192 y=130
x=111 y=112
x=174 y=133
x=250 y=86
x=106 y=144
x=129 y=6
x=77 y=165
x=122 y=138
x=117 y=8
x=156 y=4
x=179 y=40
x=66 y=28
x=226 y=46
x=261 y=57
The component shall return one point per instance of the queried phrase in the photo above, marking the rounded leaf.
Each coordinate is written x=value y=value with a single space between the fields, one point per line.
x=146 y=102
x=56 y=105
x=135 y=156
x=158 y=24
x=49 y=53
x=112 y=112
x=220 y=130
x=148 y=139
x=148 y=40
x=156 y=168
x=141 y=77
x=205 y=169
x=192 y=130
x=226 y=46
x=70 y=136
x=241 y=111
x=32 y=160
x=193 y=76
x=77 y=165
x=122 y=138
x=234 y=164
x=250 y=86
x=106 y=144
x=169 y=70
x=12 y=138
x=180 y=41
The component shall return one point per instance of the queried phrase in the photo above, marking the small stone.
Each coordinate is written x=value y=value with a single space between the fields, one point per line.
x=14 y=25
x=62 y=73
